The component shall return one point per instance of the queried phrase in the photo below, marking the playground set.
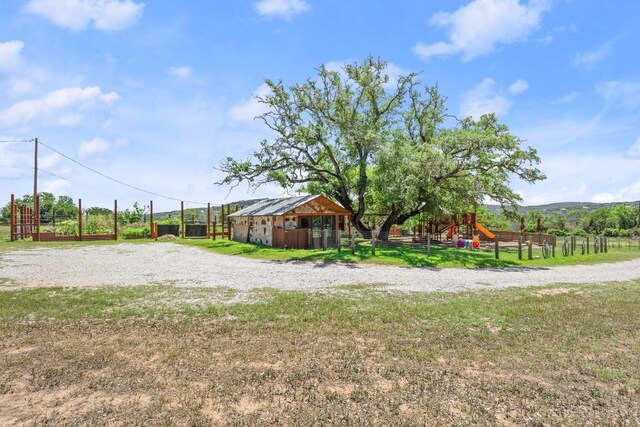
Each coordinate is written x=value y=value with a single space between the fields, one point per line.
x=462 y=229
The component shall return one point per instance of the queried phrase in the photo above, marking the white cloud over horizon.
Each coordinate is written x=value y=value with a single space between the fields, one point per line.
x=285 y=9
x=570 y=177
x=477 y=28
x=54 y=106
x=77 y=15
x=625 y=194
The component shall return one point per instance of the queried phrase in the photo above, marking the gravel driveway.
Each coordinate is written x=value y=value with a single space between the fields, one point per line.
x=153 y=263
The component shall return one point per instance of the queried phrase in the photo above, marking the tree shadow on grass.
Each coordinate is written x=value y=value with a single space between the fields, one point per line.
x=393 y=254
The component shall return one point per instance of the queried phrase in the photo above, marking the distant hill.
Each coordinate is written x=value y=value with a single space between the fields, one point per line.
x=562 y=207
x=551 y=208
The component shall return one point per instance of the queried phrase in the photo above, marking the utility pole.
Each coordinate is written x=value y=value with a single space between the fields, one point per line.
x=35 y=173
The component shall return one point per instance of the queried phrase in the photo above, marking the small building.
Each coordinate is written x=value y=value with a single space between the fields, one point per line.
x=294 y=222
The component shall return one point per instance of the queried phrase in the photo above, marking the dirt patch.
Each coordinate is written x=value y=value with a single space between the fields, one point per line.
x=197 y=372
x=554 y=291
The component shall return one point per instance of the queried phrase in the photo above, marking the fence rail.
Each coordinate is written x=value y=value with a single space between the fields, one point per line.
x=513 y=236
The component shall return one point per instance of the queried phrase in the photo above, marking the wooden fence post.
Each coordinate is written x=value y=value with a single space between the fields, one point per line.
x=352 y=241
x=182 y=219
x=520 y=248
x=373 y=243
x=553 y=250
x=587 y=245
x=208 y=220
x=324 y=239
x=228 y=228
x=572 y=246
x=12 y=221
x=215 y=227
x=151 y=219
x=428 y=243
x=497 y=249
x=530 y=250
x=338 y=242
x=115 y=219
x=36 y=206
x=80 y=220
x=222 y=222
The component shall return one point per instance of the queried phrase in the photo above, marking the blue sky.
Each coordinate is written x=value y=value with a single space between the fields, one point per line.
x=156 y=94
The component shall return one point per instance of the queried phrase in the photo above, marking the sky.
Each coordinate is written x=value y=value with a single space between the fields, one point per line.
x=156 y=94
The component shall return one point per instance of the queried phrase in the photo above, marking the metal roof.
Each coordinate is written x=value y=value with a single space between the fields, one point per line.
x=276 y=207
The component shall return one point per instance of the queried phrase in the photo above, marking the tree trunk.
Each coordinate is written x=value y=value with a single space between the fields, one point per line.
x=362 y=228
x=392 y=219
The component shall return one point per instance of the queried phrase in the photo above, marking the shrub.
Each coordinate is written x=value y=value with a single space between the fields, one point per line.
x=612 y=232
x=67 y=228
x=556 y=232
x=136 y=233
x=579 y=232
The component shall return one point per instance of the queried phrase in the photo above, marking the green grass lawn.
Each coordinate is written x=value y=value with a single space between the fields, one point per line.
x=415 y=255
x=162 y=355
x=387 y=254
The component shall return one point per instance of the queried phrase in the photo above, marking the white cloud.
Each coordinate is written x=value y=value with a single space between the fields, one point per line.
x=620 y=93
x=477 y=28
x=634 y=150
x=482 y=99
x=285 y=9
x=518 y=86
x=57 y=102
x=571 y=177
x=248 y=110
x=594 y=56
x=628 y=193
x=93 y=147
x=565 y=99
x=49 y=161
x=20 y=86
x=182 y=71
x=108 y=15
x=56 y=186
x=10 y=54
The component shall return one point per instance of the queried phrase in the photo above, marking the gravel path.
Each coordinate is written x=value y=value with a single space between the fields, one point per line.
x=142 y=264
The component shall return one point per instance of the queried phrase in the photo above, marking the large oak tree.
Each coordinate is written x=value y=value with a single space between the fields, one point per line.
x=381 y=146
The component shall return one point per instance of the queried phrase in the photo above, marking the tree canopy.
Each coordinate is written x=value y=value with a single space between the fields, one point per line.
x=383 y=146
x=64 y=206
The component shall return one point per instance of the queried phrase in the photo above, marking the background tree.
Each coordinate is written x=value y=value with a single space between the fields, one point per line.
x=374 y=145
x=64 y=206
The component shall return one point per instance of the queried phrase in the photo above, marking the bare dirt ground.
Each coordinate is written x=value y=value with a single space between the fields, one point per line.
x=144 y=264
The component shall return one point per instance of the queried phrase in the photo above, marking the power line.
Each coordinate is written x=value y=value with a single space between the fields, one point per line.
x=7 y=141
x=53 y=174
x=117 y=180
